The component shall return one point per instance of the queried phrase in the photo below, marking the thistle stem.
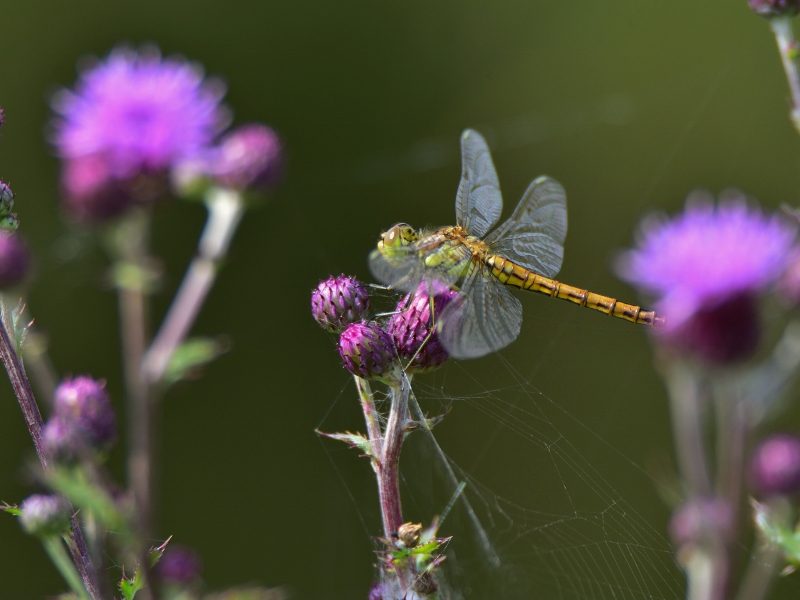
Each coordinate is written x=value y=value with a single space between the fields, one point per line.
x=33 y=419
x=389 y=473
x=225 y=210
x=55 y=550
x=787 y=48
x=371 y=418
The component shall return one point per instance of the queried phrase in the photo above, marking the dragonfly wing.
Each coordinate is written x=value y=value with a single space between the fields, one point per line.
x=401 y=271
x=533 y=236
x=405 y=269
x=484 y=318
x=478 y=202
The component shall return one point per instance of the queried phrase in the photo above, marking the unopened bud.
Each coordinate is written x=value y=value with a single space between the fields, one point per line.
x=44 y=515
x=179 y=564
x=775 y=466
x=339 y=301
x=369 y=352
x=83 y=403
x=251 y=156
x=14 y=259
x=6 y=198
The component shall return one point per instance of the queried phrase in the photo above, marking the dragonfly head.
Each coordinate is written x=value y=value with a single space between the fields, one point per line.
x=396 y=238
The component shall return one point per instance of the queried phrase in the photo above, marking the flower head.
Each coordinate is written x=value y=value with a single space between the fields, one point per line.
x=83 y=403
x=179 y=564
x=774 y=8
x=339 y=301
x=369 y=352
x=411 y=326
x=44 y=515
x=251 y=156
x=775 y=465
x=91 y=193
x=706 y=266
x=139 y=112
x=702 y=519
x=14 y=259
x=61 y=441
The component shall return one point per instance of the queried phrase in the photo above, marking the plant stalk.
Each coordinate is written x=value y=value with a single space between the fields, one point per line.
x=788 y=49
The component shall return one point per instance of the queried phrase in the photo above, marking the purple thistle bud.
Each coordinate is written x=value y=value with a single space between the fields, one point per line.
x=774 y=8
x=179 y=564
x=90 y=193
x=44 y=515
x=412 y=324
x=702 y=520
x=61 y=441
x=775 y=465
x=6 y=197
x=83 y=402
x=369 y=352
x=339 y=301
x=706 y=267
x=14 y=259
x=251 y=156
x=2 y=117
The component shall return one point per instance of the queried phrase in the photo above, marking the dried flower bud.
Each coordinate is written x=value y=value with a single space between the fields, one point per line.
x=44 y=515
x=368 y=351
x=83 y=402
x=61 y=441
x=90 y=192
x=412 y=324
x=702 y=520
x=14 y=259
x=251 y=156
x=339 y=301
x=774 y=8
x=408 y=533
x=179 y=564
x=775 y=465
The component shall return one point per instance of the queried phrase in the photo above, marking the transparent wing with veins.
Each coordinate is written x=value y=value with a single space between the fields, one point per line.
x=478 y=201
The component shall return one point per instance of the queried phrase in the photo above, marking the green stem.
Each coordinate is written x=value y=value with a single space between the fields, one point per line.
x=61 y=559
x=787 y=47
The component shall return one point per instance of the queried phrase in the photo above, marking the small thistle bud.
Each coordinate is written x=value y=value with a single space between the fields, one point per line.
x=14 y=259
x=411 y=326
x=774 y=8
x=251 y=156
x=44 y=515
x=83 y=402
x=60 y=440
x=775 y=466
x=339 y=301
x=6 y=198
x=368 y=351
x=90 y=193
x=702 y=520
x=2 y=117
x=179 y=565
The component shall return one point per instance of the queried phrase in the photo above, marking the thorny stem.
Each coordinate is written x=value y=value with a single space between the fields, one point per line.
x=787 y=47
x=225 y=210
x=389 y=474
x=371 y=418
x=33 y=419
x=55 y=550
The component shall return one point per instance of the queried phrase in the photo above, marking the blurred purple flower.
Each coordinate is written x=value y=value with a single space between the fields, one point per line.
x=140 y=112
x=179 y=564
x=775 y=465
x=14 y=259
x=411 y=325
x=44 y=515
x=83 y=403
x=702 y=519
x=90 y=193
x=706 y=266
x=250 y=156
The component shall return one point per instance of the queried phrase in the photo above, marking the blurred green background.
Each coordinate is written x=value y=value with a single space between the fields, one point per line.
x=629 y=104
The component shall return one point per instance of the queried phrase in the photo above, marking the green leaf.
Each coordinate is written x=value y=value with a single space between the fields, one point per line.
x=155 y=554
x=354 y=440
x=16 y=325
x=11 y=509
x=129 y=587
x=775 y=529
x=191 y=356
x=248 y=593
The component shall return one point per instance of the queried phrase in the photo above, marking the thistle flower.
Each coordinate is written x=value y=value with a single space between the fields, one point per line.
x=775 y=465
x=44 y=515
x=14 y=259
x=60 y=440
x=706 y=268
x=411 y=325
x=83 y=403
x=179 y=565
x=774 y=8
x=249 y=157
x=339 y=301
x=702 y=520
x=369 y=352
x=132 y=115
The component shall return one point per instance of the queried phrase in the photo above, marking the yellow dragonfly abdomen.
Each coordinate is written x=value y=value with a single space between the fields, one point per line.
x=519 y=277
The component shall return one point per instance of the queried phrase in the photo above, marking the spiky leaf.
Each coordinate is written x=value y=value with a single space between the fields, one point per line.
x=129 y=587
x=354 y=440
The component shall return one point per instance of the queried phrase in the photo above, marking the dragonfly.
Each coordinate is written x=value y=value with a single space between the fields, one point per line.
x=482 y=263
